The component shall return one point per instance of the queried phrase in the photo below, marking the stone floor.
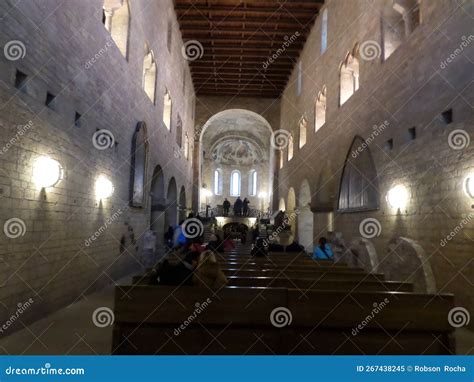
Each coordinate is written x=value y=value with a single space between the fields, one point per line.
x=72 y=331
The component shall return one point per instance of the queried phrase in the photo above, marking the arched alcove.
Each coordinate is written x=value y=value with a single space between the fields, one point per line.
x=349 y=75
x=158 y=203
x=305 y=217
x=362 y=254
x=281 y=205
x=358 y=189
x=291 y=207
x=171 y=212
x=407 y=261
x=138 y=165
x=182 y=204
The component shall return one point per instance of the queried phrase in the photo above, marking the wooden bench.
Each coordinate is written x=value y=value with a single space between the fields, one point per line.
x=309 y=274
x=327 y=284
x=168 y=320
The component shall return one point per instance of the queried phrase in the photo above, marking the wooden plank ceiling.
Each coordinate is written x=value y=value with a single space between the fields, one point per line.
x=233 y=39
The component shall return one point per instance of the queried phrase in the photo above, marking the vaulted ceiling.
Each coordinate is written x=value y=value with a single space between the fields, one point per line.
x=234 y=42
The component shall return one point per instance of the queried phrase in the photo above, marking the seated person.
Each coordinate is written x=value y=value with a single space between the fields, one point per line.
x=196 y=245
x=208 y=272
x=229 y=244
x=323 y=250
x=177 y=274
x=295 y=247
x=215 y=244
x=259 y=249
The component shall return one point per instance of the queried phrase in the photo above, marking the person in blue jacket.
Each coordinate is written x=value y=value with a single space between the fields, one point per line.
x=323 y=250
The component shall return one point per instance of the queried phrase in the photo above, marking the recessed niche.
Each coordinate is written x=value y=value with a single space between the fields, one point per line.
x=388 y=145
x=447 y=116
x=50 y=98
x=20 y=80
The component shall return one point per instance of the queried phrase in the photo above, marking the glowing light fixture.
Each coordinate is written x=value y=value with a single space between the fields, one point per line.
x=469 y=186
x=103 y=188
x=47 y=172
x=262 y=195
x=397 y=197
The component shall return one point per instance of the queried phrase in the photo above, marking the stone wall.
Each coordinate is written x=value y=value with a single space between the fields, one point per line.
x=70 y=54
x=410 y=89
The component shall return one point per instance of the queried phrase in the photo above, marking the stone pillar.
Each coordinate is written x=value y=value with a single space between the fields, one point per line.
x=196 y=175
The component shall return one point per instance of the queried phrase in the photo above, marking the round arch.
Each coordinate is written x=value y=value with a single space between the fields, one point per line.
x=290 y=208
x=182 y=204
x=158 y=202
x=171 y=212
x=305 y=217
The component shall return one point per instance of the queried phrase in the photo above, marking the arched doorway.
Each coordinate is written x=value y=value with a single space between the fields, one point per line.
x=158 y=203
x=182 y=204
x=171 y=212
x=281 y=205
x=305 y=217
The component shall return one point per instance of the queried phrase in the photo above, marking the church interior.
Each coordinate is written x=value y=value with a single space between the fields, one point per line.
x=236 y=177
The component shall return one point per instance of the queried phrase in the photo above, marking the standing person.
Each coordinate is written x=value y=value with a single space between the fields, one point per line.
x=226 y=206
x=259 y=249
x=245 y=204
x=323 y=250
x=238 y=207
x=169 y=237
x=255 y=233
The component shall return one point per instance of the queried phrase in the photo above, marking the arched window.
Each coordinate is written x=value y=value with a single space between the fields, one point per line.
x=359 y=186
x=167 y=109
x=149 y=74
x=349 y=75
x=299 y=78
x=217 y=182
x=235 y=183
x=186 y=146
x=399 y=19
x=320 y=109
x=116 y=20
x=138 y=166
x=253 y=183
x=290 y=147
x=303 y=124
x=324 y=31
x=282 y=159
x=179 y=131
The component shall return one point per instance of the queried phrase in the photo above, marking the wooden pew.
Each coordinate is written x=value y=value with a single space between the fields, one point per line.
x=168 y=320
x=328 y=284
x=311 y=274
